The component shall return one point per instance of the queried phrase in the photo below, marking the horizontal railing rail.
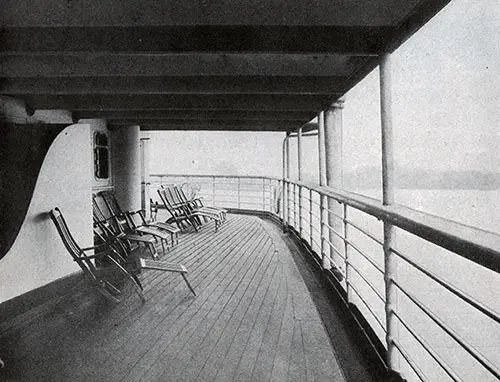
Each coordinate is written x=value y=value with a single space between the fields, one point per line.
x=353 y=255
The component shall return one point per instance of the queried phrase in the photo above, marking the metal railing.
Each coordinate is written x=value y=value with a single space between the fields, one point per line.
x=344 y=231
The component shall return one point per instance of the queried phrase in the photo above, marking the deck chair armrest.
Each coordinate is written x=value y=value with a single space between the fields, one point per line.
x=99 y=246
x=90 y=257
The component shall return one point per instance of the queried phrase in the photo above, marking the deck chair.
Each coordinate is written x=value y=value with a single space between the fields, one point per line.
x=104 y=280
x=181 y=213
x=199 y=213
x=109 y=253
x=195 y=204
x=115 y=225
x=136 y=221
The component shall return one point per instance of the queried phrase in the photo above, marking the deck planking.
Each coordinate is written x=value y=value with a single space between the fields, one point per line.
x=252 y=319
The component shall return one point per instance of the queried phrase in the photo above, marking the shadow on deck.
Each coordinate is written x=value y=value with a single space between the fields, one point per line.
x=256 y=317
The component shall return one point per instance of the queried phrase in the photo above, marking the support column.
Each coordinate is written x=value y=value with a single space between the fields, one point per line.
x=388 y=199
x=145 y=183
x=323 y=201
x=127 y=167
x=284 y=186
x=299 y=174
x=287 y=150
x=333 y=158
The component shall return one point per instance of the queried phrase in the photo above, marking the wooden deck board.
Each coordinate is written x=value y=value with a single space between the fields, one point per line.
x=252 y=319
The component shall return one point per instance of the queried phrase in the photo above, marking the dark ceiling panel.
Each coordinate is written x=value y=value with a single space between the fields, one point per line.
x=200 y=114
x=215 y=12
x=187 y=102
x=173 y=85
x=202 y=64
x=244 y=39
x=224 y=63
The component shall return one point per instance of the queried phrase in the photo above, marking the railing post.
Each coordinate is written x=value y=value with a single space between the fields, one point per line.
x=294 y=205
x=333 y=157
x=300 y=212
x=239 y=193
x=263 y=194
x=347 y=259
x=311 y=219
x=388 y=199
x=213 y=191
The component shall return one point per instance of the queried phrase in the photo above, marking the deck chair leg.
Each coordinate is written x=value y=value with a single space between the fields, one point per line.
x=163 y=246
x=152 y=249
x=188 y=284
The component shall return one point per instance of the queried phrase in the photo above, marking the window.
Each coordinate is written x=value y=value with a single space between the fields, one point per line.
x=101 y=156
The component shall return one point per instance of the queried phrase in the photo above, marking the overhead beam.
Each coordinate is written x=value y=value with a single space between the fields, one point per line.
x=172 y=85
x=274 y=115
x=26 y=13
x=188 y=123
x=199 y=38
x=208 y=127
x=177 y=102
x=204 y=64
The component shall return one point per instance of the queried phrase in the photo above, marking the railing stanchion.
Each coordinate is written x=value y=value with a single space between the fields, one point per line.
x=300 y=212
x=239 y=193
x=325 y=250
x=213 y=191
x=347 y=259
x=294 y=201
x=311 y=219
x=263 y=194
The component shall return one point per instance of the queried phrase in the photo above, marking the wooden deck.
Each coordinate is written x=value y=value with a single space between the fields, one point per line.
x=253 y=319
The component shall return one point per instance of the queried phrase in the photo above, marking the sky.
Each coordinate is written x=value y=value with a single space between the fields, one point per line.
x=446 y=105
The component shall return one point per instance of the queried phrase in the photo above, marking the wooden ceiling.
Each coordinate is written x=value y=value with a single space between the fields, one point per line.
x=262 y=65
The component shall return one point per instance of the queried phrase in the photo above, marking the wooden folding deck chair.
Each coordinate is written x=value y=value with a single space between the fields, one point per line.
x=116 y=226
x=106 y=279
x=129 y=220
x=196 y=204
x=199 y=213
x=181 y=214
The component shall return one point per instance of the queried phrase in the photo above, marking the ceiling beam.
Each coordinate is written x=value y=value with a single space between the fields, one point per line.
x=194 y=123
x=311 y=103
x=207 y=127
x=253 y=115
x=244 y=39
x=204 y=64
x=172 y=85
x=216 y=12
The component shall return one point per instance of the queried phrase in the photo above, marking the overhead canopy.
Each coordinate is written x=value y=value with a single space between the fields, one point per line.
x=260 y=65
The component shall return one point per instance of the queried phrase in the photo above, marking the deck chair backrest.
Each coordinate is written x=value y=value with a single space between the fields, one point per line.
x=96 y=210
x=69 y=242
x=111 y=203
x=172 y=196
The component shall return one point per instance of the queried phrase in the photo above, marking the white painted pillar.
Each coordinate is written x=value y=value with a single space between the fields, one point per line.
x=287 y=150
x=333 y=157
x=323 y=199
x=299 y=174
x=390 y=263
x=127 y=166
x=283 y=184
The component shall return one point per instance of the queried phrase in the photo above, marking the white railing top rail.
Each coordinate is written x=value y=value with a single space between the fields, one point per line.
x=477 y=245
x=214 y=176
